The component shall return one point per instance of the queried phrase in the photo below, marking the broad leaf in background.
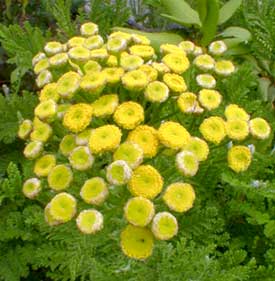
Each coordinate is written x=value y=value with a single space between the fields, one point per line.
x=235 y=35
x=228 y=9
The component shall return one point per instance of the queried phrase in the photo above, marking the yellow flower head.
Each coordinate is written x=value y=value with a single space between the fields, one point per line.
x=156 y=91
x=128 y=115
x=206 y=81
x=113 y=74
x=197 y=51
x=118 y=172
x=49 y=92
x=89 y=29
x=213 y=129
x=94 y=191
x=24 y=129
x=175 y=82
x=44 y=165
x=93 y=42
x=210 y=99
x=164 y=226
x=179 y=197
x=59 y=60
x=81 y=159
x=89 y=221
x=31 y=188
x=38 y=57
x=176 y=62
x=78 y=117
x=143 y=51
x=173 y=135
x=100 y=54
x=52 y=48
x=139 y=211
x=204 y=62
x=147 y=138
x=160 y=67
x=49 y=218
x=45 y=77
x=198 y=147
x=46 y=110
x=42 y=65
x=116 y=45
x=140 y=39
x=76 y=41
x=187 y=46
x=105 y=105
x=112 y=61
x=79 y=54
x=233 y=112
x=239 y=158
x=60 y=177
x=33 y=149
x=237 y=129
x=259 y=128
x=187 y=102
x=146 y=181
x=137 y=242
x=224 y=67
x=91 y=66
x=129 y=152
x=170 y=49
x=104 y=138
x=135 y=80
x=151 y=72
x=93 y=82
x=187 y=163
x=130 y=62
x=62 y=207
x=68 y=84
x=67 y=144
x=82 y=138
x=217 y=48
x=41 y=131
x=121 y=35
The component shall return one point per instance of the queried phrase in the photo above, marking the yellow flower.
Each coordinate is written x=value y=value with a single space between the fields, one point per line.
x=198 y=147
x=60 y=177
x=137 y=242
x=160 y=67
x=175 y=82
x=79 y=54
x=45 y=77
x=99 y=54
x=118 y=172
x=170 y=49
x=49 y=92
x=135 y=80
x=139 y=211
x=76 y=42
x=94 y=191
x=187 y=163
x=93 y=82
x=31 y=188
x=91 y=66
x=156 y=91
x=44 y=165
x=213 y=129
x=140 y=39
x=206 y=81
x=68 y=84
x=78 y=117
x=217 y=48
x=81 y=159
x=237 y=129
x=116 y=45
x=204 y=62
x=146 y=137
x=224 y=67
x=104 y=138
x=24 y=129
x=48 y=217
x=82 y=138
x=113 y=74
x=62 y=207
x=187 y=102
x=187 y=46
x=41 y=131
x=33 y=149
x=164 y=226
x=210 y=99
x=112 y=61
x=233 y=112
x=38 y=57
x=46 y=110
x=52 y=48
x=130 y=62
x=67 y=144
x=151 y=72
x=89 y=29
x=146 y=181
x=89 y=221
x=143 y=51
x=173 y=135
x=239 y=158
x=121 y=35
x=129 y=114
x=179 y=196
x=197 y=51
x=105 y=105
x=59 y=60
x=129 y=152
x=176 y=62
x=42 y=65
x=259 y=128
x=93 y=42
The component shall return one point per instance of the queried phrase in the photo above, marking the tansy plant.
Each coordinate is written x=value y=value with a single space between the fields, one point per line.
x=99 y=117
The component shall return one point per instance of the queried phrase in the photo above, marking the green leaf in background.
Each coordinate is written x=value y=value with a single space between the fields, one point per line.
x=181 y=11
x=228 y=9
x=202 y=9
x=235 y=35
x=156 y=38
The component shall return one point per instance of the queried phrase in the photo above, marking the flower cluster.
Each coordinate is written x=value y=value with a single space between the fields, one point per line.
x=99 y=94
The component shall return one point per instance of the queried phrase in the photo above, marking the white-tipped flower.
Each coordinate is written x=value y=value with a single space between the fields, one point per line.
x=187 y=163
x=206 y=81
x=164 y=226
x=94 y=191
x=81 y=159
x=187 y=46
x=59 y=60
x=45 y=77
x=204 y=62
x=224 y=67
x=46 y=110
x=116 y=45
x=156 y=91
x=52 y=48
x=197 y=51
x=89 y=29
x=82 y=138
x=89 y=221
x=217 y=47
x=24 y=129
x=38 y=57
x=60 y=177
x=33 y=149
x=93 y=42
x=79 y=54
x=118 y=172
x=41 y=66
x=259 y=128
x=48 y=217
x=31 y=187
